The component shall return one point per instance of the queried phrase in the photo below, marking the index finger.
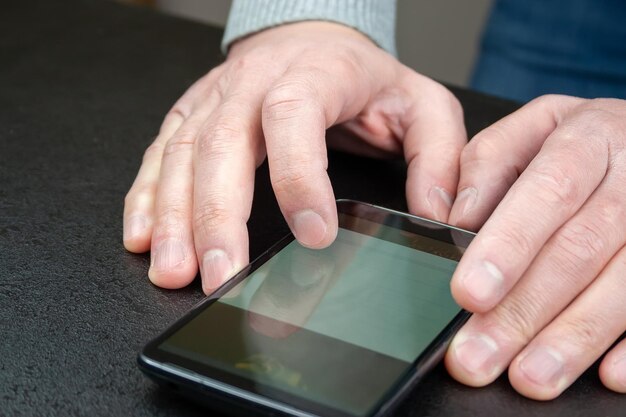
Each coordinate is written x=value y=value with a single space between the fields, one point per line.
x=296 y=113
x=547 y=193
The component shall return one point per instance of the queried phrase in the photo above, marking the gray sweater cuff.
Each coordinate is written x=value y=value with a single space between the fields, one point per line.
x=374 y=18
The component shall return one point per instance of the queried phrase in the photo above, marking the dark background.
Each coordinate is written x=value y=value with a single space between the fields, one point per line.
x=83 y=88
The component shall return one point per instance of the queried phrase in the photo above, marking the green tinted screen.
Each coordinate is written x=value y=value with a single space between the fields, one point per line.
x=338 y=326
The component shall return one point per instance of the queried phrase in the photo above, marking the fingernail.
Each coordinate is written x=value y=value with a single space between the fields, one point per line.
x=477 y=354
x=440 y=203
x=168 y=255
x=619 y=371
x=465 y=200
x=216 y=269
x=484 y=283
x=134 y=226
x=543 y=366
x=309 y=227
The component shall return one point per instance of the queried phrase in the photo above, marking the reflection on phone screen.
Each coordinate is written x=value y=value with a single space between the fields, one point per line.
x=337 y=326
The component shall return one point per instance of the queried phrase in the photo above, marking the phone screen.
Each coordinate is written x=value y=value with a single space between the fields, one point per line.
x=330 y=330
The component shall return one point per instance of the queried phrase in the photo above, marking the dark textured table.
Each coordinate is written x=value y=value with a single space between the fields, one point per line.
x=83 y=88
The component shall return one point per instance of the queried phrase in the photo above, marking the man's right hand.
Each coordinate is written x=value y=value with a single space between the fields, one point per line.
x=276 y=95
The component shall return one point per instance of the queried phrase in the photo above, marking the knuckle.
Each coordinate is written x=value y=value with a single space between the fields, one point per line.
x=437 y=94
x=215 y=95
x=130 y=198
x=597 y=111
x=580 y=244
x=556 y=187
x=542 y=100
x=154 y=151
x=220 y=89
x=346 y=66
x=603 y=127
x=177 y=114
x=300 y=90
x=219 y=140
x=225 y=130
x=241 y=64
x=449 y=100
x=139 y=194
x=210 y=216
x=261 y=60
x=603 y=123
x=515 y=240
x=596 y=122
x=286 y=101
x=214 y=73
x=516 y=317
x=547 y=100
x=612 y=210
x=209 y=78
x=182 y=142
x=607 y=127
x=584 y=332
x=289 y=181
x=455 y=105
x=171 y=219
x=550 y=102
x=484 y=146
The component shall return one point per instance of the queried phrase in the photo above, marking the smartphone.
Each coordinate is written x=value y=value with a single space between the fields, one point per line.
x=345 y=331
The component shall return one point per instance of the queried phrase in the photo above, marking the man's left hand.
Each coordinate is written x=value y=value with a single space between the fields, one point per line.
x=546 y=274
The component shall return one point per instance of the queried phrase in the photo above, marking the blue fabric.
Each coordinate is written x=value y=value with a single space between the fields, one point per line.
x=535 y=47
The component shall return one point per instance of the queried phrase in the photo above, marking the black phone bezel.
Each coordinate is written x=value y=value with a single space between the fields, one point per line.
x=238 y=395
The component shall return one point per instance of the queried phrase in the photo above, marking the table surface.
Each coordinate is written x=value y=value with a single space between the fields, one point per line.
x=83 y=88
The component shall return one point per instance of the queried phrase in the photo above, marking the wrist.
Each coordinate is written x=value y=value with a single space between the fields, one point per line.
x=373 y=18
x=305 y=30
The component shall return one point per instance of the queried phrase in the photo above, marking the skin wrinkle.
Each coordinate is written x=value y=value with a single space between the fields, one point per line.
x=581 y=243
x=284 y=155
x=570 y=284
x=217 y=144
x=218 y=200
x=558 y=189
x=302 y=81
x=582 y=332
x=522 y=313
x=471 y=159
x=285 y=110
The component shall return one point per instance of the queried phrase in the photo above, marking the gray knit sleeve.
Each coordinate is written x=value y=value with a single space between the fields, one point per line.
x=374 y=18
